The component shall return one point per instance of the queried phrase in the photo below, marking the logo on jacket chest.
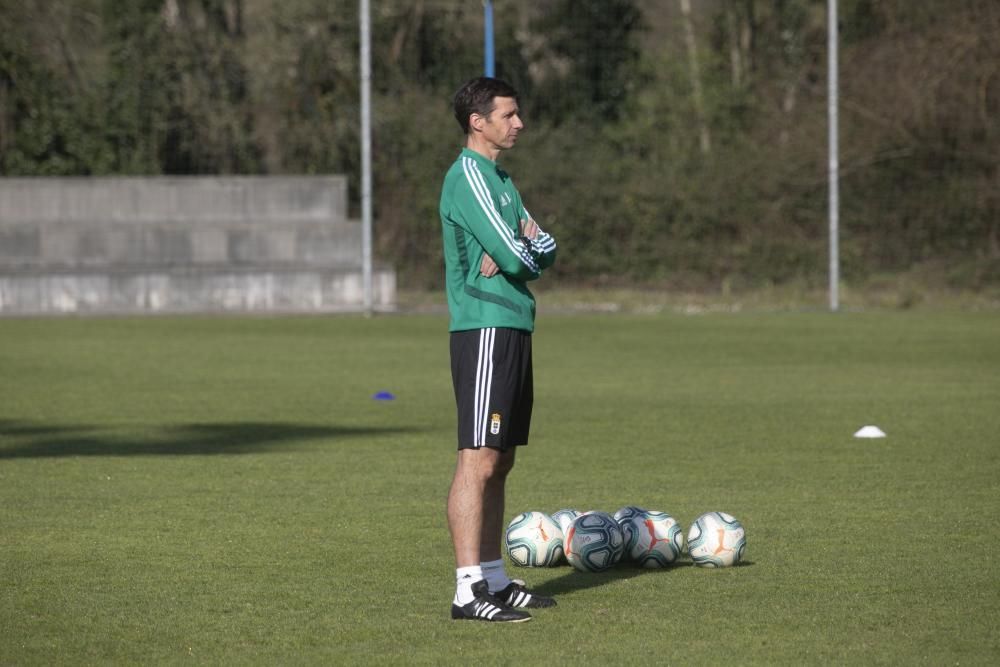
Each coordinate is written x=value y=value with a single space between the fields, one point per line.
x=505 y=199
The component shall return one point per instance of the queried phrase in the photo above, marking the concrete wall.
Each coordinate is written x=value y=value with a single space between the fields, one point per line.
x=181 y=244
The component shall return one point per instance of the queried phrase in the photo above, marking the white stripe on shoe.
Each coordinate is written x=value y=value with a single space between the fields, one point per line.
x=519 y=599
x=486 y=610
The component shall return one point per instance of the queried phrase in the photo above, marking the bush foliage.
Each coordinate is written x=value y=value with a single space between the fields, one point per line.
x=669 y=142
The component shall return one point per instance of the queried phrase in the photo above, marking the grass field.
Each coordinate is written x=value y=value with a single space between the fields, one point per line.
x=226 y=491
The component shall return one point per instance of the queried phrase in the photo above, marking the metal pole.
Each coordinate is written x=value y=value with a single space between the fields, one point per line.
x=489 y=68
x=834 y=149
x=366 y=156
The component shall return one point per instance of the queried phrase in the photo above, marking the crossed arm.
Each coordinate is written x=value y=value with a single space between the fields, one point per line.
x=488 y=268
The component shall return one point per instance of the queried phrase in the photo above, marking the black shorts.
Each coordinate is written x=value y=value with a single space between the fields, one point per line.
x=491 y=371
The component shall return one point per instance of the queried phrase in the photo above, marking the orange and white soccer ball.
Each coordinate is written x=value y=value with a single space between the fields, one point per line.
x=533 y=539
x=658 y=541
x=564 y=518
x=716 y=539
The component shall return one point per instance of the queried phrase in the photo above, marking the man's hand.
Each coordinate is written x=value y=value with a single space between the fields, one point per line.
x=529 y=229
x=488 y=267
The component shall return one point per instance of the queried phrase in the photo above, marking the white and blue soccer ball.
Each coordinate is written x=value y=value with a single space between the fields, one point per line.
x=628 y=512
x=659 y=539
x=564 y=518
x=594 y=542
x=624 y=518
x=716 y=539
x=533 y=539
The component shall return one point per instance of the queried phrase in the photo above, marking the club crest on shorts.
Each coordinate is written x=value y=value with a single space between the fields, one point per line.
x=495 y=423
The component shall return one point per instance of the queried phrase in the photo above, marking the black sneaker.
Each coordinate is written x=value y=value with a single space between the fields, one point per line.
x=516 y=594
x=485 y=607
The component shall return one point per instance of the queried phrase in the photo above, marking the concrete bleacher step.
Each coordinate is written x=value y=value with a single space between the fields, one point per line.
x=192 y=290
x=182 y=244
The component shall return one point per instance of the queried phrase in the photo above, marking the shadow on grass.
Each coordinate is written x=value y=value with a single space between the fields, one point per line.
x=574 y=580
x=27 y=440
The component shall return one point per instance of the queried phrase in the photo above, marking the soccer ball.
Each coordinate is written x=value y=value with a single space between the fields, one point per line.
x=594 y=542
x=628 y=512
x=716 y=539
x=564 y=518
x=659 y=539
x=534 y=540
x=624 y=518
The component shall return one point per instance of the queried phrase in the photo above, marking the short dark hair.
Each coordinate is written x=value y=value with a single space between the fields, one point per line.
x=476 y=96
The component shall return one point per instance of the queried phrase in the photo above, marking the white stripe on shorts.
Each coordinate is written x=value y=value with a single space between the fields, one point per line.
x=484 y=380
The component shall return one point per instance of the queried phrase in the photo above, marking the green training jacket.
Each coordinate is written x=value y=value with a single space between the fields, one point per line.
x=481 y=212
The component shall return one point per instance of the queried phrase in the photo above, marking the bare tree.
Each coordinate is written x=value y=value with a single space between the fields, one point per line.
x=704 y=136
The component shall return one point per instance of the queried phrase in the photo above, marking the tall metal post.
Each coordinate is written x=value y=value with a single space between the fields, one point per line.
x=366 y=156
x=489 y=64
x=834 y=149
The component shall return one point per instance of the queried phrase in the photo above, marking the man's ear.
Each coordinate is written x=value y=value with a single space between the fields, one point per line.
x=476 y=121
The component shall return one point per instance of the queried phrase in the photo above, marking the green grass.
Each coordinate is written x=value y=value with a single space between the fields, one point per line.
x=226 y=491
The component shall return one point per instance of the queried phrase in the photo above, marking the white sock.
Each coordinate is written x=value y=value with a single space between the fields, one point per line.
x=464 y=578
x=495 y=575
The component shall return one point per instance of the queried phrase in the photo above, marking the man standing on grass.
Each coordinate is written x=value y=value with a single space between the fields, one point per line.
x=492 y=247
